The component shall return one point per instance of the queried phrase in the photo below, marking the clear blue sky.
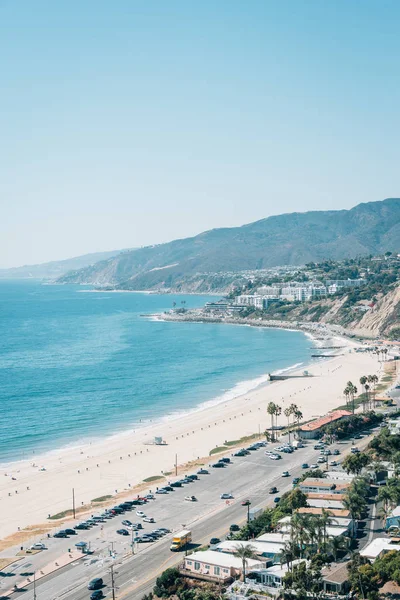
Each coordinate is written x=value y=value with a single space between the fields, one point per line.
x=131 y=122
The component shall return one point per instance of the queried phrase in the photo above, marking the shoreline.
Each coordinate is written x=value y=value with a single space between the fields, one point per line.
x=41 y=456
x=117 y=465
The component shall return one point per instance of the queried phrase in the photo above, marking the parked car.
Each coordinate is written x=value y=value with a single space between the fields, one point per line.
x=304 y=466
x=96 y=595
x=175 y=484
x=226 y=496
x=225 y=460
x=191 y=498
x=234 y=527
x=148 y=519
x=161 y=491
x=285 y=474
x=334 y=463
x=70 y=531
x=203 y=472
x=38 y=546
x=81 y=526
x=246 y=503
x=150 y=497
x=336 y=452
x=296 y=480
x=127 y=523
x=122 y=531
x=273 y=490
x=140 y=513
x=193 y=477
x=277 y=499
x=218 y=465
x=240 y=453
x=60 y=534
x=313 y=466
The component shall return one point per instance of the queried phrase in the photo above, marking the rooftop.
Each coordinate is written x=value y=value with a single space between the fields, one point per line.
x=274 y=538
x=335 y=573
x=222 y=559
x=316 y=496
x=330 y=484
x=316 y=502
x=260 y=547
x=333 y=416
x=339 y=513
x=378 y=545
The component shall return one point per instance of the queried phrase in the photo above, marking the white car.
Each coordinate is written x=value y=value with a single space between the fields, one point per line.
x=148 y=520
x=191 y=498
x=285 y=474
x=140 y=513
x=38 y=546
x=314 y=466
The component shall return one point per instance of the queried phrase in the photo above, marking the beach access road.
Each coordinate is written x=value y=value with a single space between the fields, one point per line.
x=248 y=477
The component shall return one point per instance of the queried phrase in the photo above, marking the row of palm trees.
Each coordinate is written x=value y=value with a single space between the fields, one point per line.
x=274 y=410
x=308 y=532
x=366 y=381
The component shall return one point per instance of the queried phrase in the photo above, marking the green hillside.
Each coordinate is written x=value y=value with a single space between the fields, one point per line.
x=290 y=239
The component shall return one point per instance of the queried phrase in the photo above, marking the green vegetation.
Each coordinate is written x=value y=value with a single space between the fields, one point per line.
x=171 y=584
x=280 y=240
x=102 y=498
x=61 y=515
x=153 y=478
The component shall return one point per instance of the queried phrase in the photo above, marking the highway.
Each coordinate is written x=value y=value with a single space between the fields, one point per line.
x=248 y=477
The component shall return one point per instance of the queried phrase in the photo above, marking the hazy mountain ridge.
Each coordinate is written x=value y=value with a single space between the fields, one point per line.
x=56 y=268
x=289 y=239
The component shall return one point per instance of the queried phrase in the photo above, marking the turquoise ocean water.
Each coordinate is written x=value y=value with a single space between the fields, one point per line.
x=77 y=366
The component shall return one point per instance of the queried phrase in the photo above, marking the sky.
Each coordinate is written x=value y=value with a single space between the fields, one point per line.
x=133 y=122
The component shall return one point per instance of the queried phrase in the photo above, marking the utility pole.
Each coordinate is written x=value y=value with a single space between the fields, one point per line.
x=176 y=464
x=112 y=582
x=73 y=501
x=132 y=542
x=248 y=513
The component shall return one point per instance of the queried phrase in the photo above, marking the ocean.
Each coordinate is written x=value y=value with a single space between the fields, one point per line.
x=77 y=365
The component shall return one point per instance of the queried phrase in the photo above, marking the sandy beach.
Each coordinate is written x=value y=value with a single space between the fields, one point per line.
x=28 y=495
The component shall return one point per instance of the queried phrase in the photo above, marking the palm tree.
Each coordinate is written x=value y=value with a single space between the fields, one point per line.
x=337 y=544
x=352 y=392
x=288 y=413
x=278 y=411
x=346 y=393
x=366 y=388
x=245 y=552
x=288 y=553
x=374 y=380
x=385 y=496
x=363 y=381
x=271 y=411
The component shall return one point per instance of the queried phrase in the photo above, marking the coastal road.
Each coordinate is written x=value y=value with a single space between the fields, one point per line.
x=248 y=477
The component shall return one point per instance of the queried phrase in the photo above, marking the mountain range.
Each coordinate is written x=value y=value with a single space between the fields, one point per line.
x=288 y=239
x=56 y=268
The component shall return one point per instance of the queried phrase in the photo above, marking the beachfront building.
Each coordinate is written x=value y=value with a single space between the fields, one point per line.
x=320 y=501
x=334 y=285
x=378 y=547
x=333 y=530
x=324 y=486
x=217 y=566
x=335 y=579
x=313 y=429
x=222 y=306
x=340 y=517
x=273 y=576
x=270 y=552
